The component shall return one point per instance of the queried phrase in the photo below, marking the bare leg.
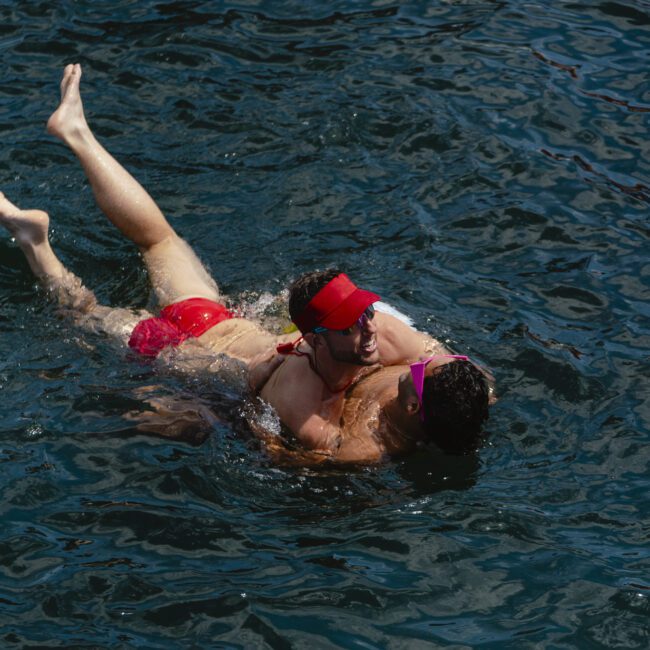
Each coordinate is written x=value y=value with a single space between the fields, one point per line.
x=175 y=271
x=30 y=227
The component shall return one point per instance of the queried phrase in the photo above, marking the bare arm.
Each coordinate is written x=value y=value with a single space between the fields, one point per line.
x=399 y=343
x=310 y=429
x=296 y=395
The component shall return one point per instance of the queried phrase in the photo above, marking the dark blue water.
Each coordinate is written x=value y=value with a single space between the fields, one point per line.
x=485 y=167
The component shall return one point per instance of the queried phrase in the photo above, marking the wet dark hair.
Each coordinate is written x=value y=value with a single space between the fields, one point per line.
x=306 y=287
x=455 y=404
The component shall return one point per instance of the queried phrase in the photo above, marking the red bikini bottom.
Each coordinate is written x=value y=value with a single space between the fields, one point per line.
x=176 y=323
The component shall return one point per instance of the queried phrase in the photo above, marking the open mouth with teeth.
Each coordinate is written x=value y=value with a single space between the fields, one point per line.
x=369 y=346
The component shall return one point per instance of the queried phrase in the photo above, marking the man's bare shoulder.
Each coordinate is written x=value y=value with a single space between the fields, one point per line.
x=296 y=393
x=401 y=343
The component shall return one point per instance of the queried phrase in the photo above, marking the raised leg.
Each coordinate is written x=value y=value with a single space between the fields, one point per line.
x=29 y=227
x=174 y=269
x=30 y=230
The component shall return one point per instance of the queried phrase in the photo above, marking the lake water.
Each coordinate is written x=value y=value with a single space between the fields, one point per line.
x=485 y=167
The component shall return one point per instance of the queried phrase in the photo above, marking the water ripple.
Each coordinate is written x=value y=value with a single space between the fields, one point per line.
x=484 y=167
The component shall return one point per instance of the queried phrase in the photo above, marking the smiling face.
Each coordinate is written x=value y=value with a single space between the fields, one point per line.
x=358 y=347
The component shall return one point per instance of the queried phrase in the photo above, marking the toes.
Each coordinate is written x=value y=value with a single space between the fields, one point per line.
x=7 y=205
x=71 y=77
x=64 y=79
x=68 y=72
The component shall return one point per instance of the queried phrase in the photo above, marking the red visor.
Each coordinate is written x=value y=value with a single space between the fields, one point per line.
x=338 y=305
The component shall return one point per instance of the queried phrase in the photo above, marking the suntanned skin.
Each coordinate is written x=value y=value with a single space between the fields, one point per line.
x=375 y=417
x=315 y=416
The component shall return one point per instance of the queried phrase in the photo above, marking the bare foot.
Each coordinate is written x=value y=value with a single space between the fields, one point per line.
x=68 y=120
x=29 y=227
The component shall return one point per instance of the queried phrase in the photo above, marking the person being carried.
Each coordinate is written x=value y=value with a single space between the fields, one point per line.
x=356 y=411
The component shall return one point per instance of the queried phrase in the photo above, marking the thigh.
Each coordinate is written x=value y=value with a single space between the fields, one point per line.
x=176 y=272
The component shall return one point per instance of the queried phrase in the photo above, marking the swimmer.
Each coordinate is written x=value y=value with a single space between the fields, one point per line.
x=327 y=386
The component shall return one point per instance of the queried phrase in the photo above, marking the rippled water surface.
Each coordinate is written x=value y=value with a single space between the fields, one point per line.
x=484 y=166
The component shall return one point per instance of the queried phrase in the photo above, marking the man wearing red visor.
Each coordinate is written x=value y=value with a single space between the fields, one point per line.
x=342 y=336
